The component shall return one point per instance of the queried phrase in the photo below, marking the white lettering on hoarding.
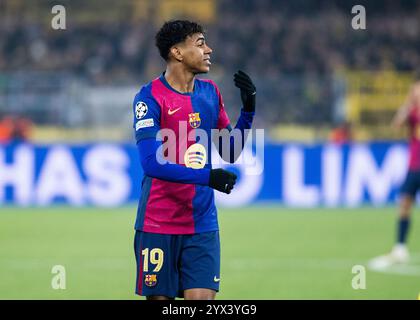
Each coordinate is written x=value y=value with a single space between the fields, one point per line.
x=331 y=172
x=363 y=174
x=104 y=178
x=296 y=192
x=18 y=174
x=60 y=177
x=108 y=182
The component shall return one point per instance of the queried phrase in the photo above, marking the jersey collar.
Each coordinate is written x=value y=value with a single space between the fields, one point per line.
x=163 y=79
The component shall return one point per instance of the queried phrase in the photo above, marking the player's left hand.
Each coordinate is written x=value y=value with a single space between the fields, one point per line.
x=248 y=90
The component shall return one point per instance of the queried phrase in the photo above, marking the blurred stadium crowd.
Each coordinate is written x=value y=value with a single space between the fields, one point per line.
x=294 y=49
x=293 y=37
x=16 y=129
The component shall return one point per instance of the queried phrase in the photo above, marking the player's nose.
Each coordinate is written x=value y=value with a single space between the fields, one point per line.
x=209 y=50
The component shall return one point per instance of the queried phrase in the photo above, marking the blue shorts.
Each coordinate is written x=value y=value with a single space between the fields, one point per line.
x=411 y=184
x=169 y=264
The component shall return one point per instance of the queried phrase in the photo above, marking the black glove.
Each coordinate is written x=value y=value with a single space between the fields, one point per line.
x=248 y=90
x=222 y=180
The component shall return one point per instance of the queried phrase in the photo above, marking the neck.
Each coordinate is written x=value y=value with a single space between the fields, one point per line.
x=179 y=78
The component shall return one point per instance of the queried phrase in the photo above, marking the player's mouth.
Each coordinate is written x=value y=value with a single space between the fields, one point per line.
x=207 y=60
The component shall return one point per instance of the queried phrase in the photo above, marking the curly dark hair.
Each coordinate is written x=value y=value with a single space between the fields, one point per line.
x=173 y=32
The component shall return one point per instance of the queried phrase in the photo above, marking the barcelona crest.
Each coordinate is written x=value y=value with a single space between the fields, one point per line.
x=150 y=280
x=194 y=119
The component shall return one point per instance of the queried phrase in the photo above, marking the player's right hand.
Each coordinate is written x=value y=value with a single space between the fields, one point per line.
x=222 y=180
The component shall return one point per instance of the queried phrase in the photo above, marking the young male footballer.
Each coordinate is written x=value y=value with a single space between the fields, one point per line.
x=176 y=243
x=408 y=115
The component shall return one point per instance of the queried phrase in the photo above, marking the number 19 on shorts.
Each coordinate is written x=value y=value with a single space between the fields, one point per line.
x=154 y=256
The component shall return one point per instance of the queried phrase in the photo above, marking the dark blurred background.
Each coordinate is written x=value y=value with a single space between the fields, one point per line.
x=315 y=74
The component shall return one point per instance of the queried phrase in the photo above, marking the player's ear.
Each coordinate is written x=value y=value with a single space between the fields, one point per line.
x=176 y=53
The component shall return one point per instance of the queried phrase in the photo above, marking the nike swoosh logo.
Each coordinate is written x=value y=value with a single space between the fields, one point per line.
x=216 y=279
x=171 y=112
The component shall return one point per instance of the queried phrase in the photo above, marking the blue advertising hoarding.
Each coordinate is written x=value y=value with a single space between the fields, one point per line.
x=295 y=175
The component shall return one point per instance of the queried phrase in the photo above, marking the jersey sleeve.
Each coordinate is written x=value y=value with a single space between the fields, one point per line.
x=146 y=115
x=223 y=121
x=412 y=117
x=154 y=165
